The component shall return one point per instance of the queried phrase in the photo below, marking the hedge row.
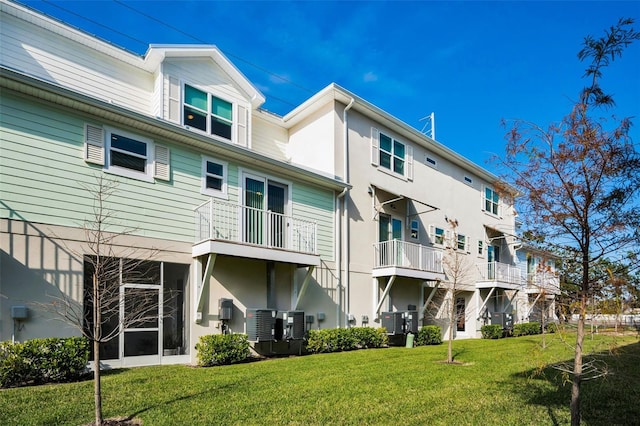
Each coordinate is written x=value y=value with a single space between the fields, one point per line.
x=222 y=349
x=492 y=331
x=345 y=339
x=429 y=335
x=39 y=361
x=526 y=329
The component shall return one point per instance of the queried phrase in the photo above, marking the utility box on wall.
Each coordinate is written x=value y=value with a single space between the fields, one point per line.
x=19 y=312
x=225 y=309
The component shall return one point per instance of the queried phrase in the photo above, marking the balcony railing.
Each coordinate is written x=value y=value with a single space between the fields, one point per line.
x=220 y=220
x=543 y=281
x=500 y=272
x=395 y=253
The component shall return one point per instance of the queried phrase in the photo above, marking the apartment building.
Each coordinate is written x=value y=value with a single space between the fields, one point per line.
x=336 y=210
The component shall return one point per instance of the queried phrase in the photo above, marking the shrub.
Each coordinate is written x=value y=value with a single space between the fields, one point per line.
x=429 y=335
x=552 y=327
x=222 y=349
x=526 y=329
x=491 y=331
x=43 y=361
x=369 y=337
x=345 y=339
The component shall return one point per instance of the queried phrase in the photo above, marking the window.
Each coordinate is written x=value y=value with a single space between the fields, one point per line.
x=436 y=234
x=129 y=155
x=391 y=154
x=208 y=113
x=462 y=242
x=480 y=248
x=460 y=314
x=126 y=154
x=214 y=177
x=415 y=226
x=491 y=201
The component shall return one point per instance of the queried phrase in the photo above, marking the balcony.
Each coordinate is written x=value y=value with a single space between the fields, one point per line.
x=543 y=282
x=406 y=259
x=500 y=275
x=231 y=229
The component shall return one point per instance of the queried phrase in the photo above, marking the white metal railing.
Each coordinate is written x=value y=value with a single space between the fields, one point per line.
x=407 y=255
x=502 y=272
x=547 y=281
x=220 y=220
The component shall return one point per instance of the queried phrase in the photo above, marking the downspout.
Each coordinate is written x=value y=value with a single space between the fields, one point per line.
x=345 y=205
x=339 y=256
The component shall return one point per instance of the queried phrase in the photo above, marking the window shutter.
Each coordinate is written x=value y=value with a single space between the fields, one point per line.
x=93 y=144
x=161 y=163
x=375 y=137
x=409 y=162
x=432 y=233
x=174 y=100
x=243 y=136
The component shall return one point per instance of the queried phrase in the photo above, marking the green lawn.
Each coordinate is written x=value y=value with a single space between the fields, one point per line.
x=375 y=386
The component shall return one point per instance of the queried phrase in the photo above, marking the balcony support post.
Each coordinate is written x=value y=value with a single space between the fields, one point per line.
x=484 y=302
x=384 y=294
x=532 y=305
x=202 y=280
x=426 y=303
x=303 y=288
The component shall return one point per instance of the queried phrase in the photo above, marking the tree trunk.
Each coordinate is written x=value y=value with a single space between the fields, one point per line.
x=97 y=392
x=452 y=323
x=577 y=362
x=97 y=328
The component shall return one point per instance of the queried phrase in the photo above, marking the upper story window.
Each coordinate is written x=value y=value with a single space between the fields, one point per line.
x=491 y=201
x=208 y=113
x=129 y=153
x=462 y=242
x=214 y=177
x=436 y=235
x=126 y=154
x=391 y=154
x=415 y=227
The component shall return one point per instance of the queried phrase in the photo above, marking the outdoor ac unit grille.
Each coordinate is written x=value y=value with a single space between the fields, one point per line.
x=502 y=318
x=294 y=325
x=261 y=325
x=393 y=322
x=411 y=322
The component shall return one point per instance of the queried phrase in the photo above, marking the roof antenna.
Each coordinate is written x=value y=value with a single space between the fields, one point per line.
x=430 y=120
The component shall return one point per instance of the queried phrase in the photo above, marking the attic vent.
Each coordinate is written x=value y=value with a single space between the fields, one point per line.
x=467 y=179
x=430 y=161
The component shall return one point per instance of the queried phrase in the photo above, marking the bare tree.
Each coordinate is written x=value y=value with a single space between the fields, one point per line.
x=457 y=269
x=580 y=178
x=108 y=307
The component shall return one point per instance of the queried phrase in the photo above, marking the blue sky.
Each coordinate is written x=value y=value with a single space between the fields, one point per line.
x=472 y=63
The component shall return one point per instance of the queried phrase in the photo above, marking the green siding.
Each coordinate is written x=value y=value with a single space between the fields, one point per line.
x=316 y=204
x=43 y=174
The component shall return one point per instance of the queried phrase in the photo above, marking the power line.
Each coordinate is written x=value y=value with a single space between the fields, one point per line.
x=161 y=22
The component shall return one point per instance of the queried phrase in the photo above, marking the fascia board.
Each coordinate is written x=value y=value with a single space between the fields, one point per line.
x=157 y=53
x=77 y=102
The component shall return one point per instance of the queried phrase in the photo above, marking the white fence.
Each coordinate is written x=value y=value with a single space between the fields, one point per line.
x=502 y=272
